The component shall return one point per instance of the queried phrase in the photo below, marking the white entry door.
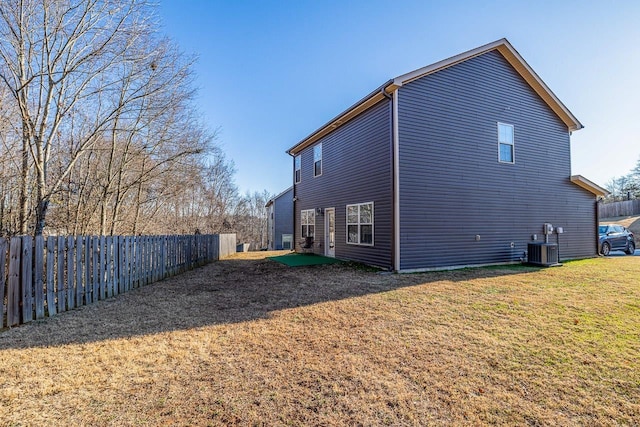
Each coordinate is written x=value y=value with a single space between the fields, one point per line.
x=330 y=232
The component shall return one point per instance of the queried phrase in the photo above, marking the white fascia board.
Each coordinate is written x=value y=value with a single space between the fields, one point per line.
x=445 y=63
x=588 y=185
x=517 y=62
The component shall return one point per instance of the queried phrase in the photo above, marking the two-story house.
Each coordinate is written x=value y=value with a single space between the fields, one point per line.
x=280 y=221
x=459 y=163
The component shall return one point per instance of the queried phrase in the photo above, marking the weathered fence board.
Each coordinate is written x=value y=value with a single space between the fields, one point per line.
x=38 y=284
x=616 y=209
x=131 y=264
x=95 y=261
x=3 y=263
x=71 y=290
x=103 y=265
x=121 y=287
x=79 y=284
x=56 y=274
x=27 y=279
x=88 y=286
x=138 y=264
x=60 y=288
x=51 y=299
x=116 y=263
x=147 y=260
x=108 y=277
x=13 y=291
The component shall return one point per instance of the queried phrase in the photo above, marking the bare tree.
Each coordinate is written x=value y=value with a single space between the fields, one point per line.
x=60 y=60
x=250 y=219
x=98 y=133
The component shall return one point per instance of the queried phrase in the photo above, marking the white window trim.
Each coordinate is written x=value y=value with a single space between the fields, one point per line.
x=313 y=214
x=319 y=145
x=297 y=168
x=513 y=144
x=373 y=234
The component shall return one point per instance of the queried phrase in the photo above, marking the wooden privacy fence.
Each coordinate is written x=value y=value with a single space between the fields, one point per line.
x=615 y=209
x=43 y=277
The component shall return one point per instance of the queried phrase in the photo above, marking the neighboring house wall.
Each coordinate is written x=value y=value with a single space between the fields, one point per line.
x=282 y=217
x=270 y=226
x=452 y=187
x=356 y=168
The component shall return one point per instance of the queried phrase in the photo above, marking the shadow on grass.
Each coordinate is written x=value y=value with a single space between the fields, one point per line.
x=224 y=292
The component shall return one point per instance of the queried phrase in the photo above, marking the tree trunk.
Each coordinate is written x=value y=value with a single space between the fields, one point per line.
x=41 y=214
x=24 y=182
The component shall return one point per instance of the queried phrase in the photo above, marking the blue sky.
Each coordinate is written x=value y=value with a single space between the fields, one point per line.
x=271 y=72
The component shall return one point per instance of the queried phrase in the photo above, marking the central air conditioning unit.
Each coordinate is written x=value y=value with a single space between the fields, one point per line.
x=545 y=254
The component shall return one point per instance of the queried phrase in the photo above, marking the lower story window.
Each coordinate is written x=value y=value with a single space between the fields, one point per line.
x=308 y=221
x=360 y=224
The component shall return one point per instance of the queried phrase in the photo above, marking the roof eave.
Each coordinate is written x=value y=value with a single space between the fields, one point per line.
x=282 y=193
x=348 y=114
x=590 y=186
x=503 y=46
x=516 y=61
x=539 y=86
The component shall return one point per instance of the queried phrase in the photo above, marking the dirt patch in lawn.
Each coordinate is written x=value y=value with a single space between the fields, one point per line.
x=252 y=342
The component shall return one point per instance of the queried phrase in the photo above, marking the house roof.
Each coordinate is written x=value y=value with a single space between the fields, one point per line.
x=503 y=46
x=270 y=202
x=583 y=182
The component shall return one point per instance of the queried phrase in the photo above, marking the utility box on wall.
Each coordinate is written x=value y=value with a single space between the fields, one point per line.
x=545 y=254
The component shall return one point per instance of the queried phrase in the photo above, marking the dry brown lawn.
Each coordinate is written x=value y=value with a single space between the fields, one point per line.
x=248 y=341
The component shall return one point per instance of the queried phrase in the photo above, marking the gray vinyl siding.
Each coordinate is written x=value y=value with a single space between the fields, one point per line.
x=356 y=168
x=282 y=217
x=452 y=187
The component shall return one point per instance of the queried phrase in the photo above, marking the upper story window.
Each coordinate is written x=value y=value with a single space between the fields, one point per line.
x=317 y=160
x=298 y=168
x=506 y=145
x=308 y=222
x=360 y=224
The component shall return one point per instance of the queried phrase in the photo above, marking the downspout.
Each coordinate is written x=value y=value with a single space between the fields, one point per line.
x=598 y=201
x=395 y=180
x=293 y=243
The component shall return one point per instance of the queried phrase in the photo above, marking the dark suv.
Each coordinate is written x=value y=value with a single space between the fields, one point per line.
x=613 y=237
